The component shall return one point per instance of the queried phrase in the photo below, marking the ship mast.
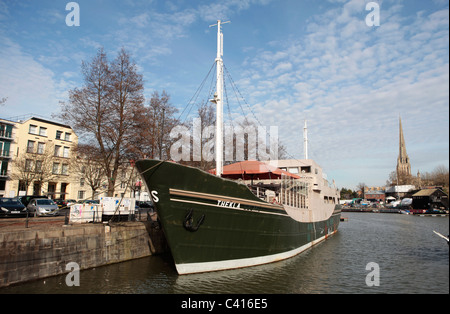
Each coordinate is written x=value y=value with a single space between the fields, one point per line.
x=218 y=100
x=305 y=141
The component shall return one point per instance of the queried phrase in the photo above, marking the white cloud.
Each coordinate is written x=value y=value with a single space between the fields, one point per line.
x=25 y=82
x=352 y=82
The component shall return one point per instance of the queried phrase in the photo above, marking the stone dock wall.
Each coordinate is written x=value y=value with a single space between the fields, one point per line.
x=33 y=253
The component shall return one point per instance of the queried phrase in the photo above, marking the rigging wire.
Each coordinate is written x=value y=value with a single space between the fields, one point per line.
x=237 y=91
x=191 y=102
x=238 y=96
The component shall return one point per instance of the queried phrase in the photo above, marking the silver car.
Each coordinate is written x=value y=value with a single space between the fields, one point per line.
x=42 y=207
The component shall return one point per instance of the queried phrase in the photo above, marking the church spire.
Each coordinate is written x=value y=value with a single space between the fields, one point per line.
x=403 y=165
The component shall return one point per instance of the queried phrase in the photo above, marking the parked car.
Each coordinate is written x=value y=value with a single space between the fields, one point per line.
x=11 y=207
x=42 y=207
x=71 y=202
x=62 y=203
x=92 y=202
x=144 y=204
x=25 y=199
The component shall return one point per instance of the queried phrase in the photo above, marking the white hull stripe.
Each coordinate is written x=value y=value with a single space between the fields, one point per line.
x=193 y=268
x=234 y=208
x=215 y=197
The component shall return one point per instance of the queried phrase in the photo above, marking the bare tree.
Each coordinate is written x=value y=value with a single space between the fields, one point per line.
x=440 y=175
x=88 y=164
x=400 y=179
x=207 y=116
x=152 y=139
x=39 y=166
x=105 y=110
x=24 y=171
x=361 y=187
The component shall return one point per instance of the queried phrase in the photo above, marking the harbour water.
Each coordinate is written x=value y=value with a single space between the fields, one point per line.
x=408 y=256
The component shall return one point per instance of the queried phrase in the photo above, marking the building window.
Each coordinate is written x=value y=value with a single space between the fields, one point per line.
x=4 y=168
x=65 y=169
x=6 y=131
x=66 y=152
x=38 y=168
x=42 y=131
x=67 y=136
x=59 y=135
x=55 y=168
x=57 y=150
x=30 y=147
x=28 y=165
x=22 y=186
x=40 y=148
x=4 y=149
x=81 y=181
x=32 y=129
x=81 y=195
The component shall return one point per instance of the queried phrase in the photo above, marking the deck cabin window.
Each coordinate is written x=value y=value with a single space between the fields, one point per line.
x=305 y=169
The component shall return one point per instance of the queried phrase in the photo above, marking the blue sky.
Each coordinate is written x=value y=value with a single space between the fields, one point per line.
x=292 y=60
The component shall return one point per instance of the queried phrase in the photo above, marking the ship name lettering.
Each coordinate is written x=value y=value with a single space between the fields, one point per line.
x=155 y=196
x=228 y=204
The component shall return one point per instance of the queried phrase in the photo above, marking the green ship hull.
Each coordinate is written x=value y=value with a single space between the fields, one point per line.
x=212 y=223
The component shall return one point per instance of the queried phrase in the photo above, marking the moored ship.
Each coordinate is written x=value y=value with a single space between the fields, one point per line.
x=212 y=223
x=244 y=214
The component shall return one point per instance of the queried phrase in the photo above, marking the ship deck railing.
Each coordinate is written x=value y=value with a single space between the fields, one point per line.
x=285 y=191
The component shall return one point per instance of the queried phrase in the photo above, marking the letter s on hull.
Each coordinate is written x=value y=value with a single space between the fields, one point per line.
x=155 y=196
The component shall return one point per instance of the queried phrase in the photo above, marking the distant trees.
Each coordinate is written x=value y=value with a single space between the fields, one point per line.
x=400 y=179
x=348 y=194
x=439 y=177
x=361 y=187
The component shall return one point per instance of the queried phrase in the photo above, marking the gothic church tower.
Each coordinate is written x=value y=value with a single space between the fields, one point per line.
x=403 y=165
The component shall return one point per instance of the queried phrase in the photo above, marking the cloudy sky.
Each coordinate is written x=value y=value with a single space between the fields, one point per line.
x=290 y=59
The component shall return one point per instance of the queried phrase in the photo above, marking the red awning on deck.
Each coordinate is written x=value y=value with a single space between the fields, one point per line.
x=252 y=169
